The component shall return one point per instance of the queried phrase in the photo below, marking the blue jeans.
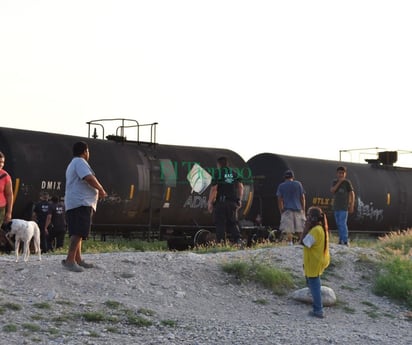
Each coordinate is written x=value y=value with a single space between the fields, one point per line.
x=314 y=287
x=341 y=218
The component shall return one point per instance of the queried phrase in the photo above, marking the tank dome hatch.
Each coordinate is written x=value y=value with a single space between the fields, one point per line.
x=388 y=157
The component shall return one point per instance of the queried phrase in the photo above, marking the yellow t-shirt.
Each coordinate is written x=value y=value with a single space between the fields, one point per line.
x=315 y=257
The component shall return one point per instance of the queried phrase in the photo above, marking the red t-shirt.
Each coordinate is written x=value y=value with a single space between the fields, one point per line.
x=4 y=179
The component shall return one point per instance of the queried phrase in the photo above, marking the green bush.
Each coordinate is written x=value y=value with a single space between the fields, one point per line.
x=92 y=246
x=397 y=243
x=395 y=280
x=10 y=328
x=270 y=277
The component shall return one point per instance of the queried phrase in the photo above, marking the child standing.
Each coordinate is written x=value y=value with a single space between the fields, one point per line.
x=315 y=255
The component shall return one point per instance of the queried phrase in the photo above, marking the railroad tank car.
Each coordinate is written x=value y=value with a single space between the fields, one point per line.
x=383 y=191
x=155 y=190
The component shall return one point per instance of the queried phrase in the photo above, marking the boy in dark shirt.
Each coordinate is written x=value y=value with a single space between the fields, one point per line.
x=57 y=221
x=40 y=212
x=343 y=202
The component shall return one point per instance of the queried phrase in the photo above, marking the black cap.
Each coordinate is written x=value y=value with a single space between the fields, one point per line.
x=289 y=173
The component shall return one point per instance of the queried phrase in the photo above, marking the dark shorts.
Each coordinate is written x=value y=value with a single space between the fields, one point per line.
x=79 y=221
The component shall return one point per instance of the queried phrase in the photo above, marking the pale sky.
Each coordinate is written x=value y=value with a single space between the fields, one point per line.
x=302 y=78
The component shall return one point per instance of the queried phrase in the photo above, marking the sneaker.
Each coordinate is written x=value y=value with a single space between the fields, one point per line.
x=72 y=266
x=86 y=264
x=320 y=316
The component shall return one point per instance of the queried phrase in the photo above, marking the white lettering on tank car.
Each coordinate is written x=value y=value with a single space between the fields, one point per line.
x=195 y=201
x=51 y=185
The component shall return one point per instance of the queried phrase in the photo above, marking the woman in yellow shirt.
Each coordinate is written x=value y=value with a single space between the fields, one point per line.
x=315 y=255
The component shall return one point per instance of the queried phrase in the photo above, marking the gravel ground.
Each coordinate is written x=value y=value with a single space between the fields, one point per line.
x=185 y=298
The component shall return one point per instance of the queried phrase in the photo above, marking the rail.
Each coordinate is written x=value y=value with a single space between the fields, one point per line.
x=121 y=129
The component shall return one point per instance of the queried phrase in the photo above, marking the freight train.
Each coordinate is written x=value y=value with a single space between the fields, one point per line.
x=158 y=191
x=383 y=192
x=154 y=191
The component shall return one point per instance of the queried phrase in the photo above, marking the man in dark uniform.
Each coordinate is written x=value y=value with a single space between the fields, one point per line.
x=57 y=219
x=40 y=213
x=225 y=198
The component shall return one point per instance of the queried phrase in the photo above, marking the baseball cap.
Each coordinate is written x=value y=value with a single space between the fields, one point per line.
x=289 y=173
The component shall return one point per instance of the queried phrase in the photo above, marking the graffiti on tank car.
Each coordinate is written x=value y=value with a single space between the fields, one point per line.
x=195 y=201
x=51 y=185
x=368 y=212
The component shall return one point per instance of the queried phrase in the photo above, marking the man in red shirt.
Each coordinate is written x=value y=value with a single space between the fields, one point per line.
x=6 y=193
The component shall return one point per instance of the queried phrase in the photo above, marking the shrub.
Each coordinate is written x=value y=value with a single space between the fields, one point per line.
x=93 y=316
x=10 y=328
x=395 y=280
x=398 y=243
x=12 y=306
x=270 y=277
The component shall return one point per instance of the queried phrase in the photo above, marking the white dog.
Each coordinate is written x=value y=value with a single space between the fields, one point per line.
x=24 y=231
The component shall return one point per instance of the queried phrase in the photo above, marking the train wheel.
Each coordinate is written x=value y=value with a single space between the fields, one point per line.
x=203 y=237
